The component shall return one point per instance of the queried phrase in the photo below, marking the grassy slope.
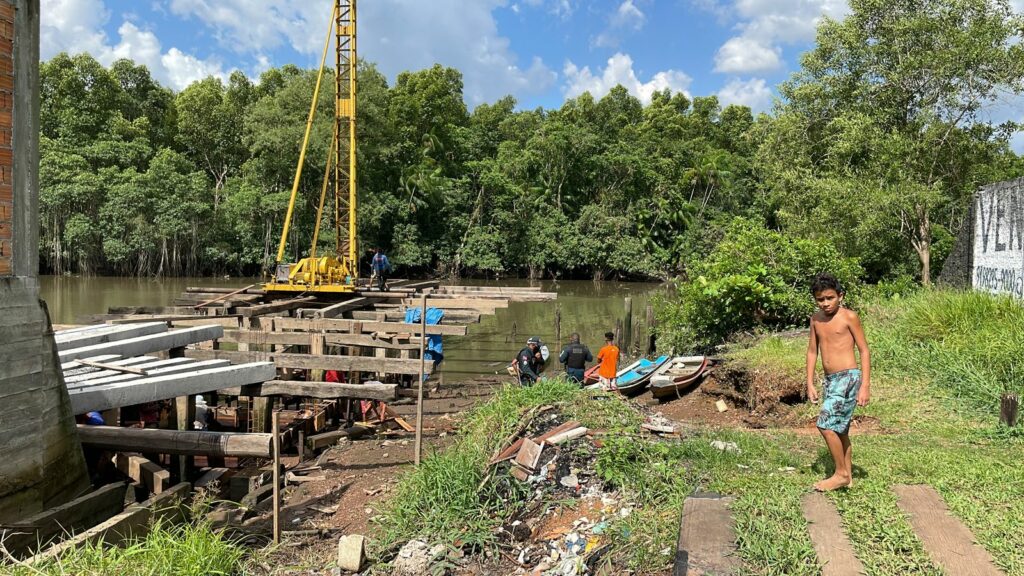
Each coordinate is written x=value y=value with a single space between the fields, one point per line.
x=941 y=360
x=935 y=379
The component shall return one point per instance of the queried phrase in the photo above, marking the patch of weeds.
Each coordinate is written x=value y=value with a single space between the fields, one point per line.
x=168 y=550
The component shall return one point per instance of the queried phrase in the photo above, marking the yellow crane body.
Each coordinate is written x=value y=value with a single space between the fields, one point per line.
x=337 y=273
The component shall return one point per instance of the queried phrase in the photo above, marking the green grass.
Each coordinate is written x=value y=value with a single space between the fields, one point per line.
x=168 y=550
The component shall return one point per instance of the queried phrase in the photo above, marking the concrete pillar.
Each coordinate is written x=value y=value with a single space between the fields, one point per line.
x=42 y=459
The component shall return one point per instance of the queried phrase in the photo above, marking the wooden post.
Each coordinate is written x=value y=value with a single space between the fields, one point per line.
x=1008 y=406
x=627 y=324
x=277 y=476
x=185 y=411
x=423 y=373
x=316 y=348
x=618 y=337
x=558 y=326
x=651 y=337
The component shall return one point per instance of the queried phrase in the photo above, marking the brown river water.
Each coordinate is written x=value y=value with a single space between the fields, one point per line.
x=590 y=308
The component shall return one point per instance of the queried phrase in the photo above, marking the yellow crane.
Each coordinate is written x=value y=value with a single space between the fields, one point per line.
x=336 y=273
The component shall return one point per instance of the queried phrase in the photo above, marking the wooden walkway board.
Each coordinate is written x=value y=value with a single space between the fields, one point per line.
x=707 y=539
x=835 y=553
x=948 y=542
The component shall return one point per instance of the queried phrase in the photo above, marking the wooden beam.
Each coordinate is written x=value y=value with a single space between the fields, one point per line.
x=332 y=339
x=276 y=306
x=180 y=442
x=101 y=333
x=457 y=316
x=21 y=538
x=311 y=362
x=77 y=371
x=223 y=296
x=134 y=522
x=340 y=308
x=459 y=288
x=323 y=390
x=141 y=470
x=159 y=368
x=146 y=344
x=151 y=389
x=365 y=326
x=318 y=441
x=203 y=297
x=467 y=303
x=218 y=290
x=179 y=320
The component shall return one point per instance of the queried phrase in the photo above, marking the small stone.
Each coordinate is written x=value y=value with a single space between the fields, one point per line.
x=351 y=552
x=725 y=446
x=570 y=481
x=385 y=455
x=368 y=510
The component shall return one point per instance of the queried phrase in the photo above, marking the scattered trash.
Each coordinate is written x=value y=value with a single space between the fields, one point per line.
x=787 y=469
x=725 y=446
x=570 y=481
x=415 y=558
x=324 y=509
x=721 y=405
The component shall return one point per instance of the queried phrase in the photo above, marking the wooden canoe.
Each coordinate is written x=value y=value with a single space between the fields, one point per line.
x=676 y=375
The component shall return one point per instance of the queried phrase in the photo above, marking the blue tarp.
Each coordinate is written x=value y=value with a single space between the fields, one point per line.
x=434 y=316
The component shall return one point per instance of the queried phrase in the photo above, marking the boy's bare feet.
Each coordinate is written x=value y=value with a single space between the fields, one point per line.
x=834 y=483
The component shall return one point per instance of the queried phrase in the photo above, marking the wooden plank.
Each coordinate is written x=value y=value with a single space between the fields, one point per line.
x=460 y=288
x=218 y=290
x=81 y=372
x=151 y=389
x=319 y=441
x=166 y=367
x=410 y=329
x=77 y=515
x=310 y=362
x=134 y=522
x=707 y=538
x=209 y=477
x=146 y=344
x=398 y=316
x=835 y=553
x=323 y=390
x=335 y=310
x=112 y=367
x=202 y=297
x=949 y=543
x=276 y=306
x=466 y=303
x=179 y=320
x=101 y=333
x=223 y=296
x=179 y=442
x=65 y=366
x=302 y=339
x=141 y=470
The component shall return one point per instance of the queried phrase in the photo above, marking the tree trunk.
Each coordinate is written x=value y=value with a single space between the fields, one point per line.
x=924 y=251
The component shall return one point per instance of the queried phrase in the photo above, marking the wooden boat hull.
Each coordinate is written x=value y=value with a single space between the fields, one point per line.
x=677 y=375
x=633 y=378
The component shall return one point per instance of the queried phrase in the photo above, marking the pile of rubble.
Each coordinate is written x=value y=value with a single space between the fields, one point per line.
x=568 y=521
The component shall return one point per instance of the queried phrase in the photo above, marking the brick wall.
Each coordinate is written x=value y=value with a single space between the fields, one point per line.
x=6 y=127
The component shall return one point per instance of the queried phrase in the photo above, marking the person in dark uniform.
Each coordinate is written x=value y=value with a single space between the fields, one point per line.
x=529 y=362
x=575 y=357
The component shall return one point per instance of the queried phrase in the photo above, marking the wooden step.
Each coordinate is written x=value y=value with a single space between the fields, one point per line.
x=835 y=553
x=707 y=538
x=949 y=543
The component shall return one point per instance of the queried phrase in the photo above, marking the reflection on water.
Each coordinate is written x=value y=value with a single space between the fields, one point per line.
x=590 y=308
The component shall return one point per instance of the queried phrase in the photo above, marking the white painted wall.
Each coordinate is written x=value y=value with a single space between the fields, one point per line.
x=999 y=239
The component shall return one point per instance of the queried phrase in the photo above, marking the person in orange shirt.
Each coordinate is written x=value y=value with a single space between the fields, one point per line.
x=608 y=359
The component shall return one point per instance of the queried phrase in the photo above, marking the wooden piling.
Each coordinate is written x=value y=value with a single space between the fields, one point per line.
x=423 y=373
x=651 y=333
x=628 y=325
x=1008 y=408
x=558 y=325
x=276 y=425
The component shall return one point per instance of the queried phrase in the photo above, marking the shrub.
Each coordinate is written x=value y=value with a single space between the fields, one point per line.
x=754 y=278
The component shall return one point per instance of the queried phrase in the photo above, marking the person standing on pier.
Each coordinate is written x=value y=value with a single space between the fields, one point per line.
x=609 y=360
x=575 y=357
x=381 y=268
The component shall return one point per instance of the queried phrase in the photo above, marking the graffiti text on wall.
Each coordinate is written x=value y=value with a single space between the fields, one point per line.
x=1001 y=219
x=999 y=280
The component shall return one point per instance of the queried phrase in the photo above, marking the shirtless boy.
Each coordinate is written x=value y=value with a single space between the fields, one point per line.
x=835 y=331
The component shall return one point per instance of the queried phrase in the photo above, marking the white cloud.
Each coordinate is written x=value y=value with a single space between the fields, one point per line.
x=76 y=26
x=742 y=54
x=753 y=93
x=764 y=25
x=398 y=35
x=620 y=71
x=626 y=18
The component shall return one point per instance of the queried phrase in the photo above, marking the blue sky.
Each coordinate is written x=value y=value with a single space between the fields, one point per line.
x=540 y=51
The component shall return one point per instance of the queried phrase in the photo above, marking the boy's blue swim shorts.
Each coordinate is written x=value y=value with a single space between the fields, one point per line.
x=839 y=400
